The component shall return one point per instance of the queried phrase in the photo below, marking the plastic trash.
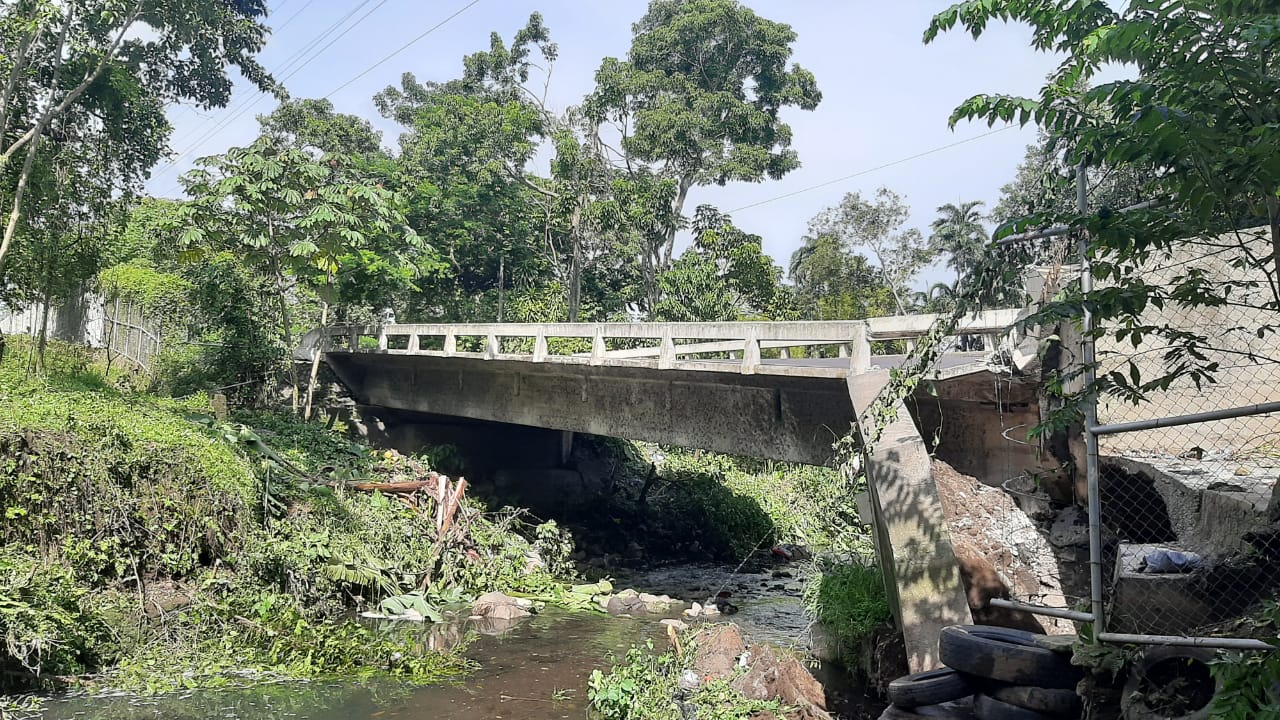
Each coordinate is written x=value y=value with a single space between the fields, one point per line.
x=1170 y=561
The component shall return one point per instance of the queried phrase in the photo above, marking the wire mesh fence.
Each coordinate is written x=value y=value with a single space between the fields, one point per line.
x=1189 y=511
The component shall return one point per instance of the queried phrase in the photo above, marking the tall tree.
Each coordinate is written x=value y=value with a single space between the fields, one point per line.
x=699 y=96
x=56 y=56
x=877 y=225
x=315 y=125
x=833 y=283
x=293 y=217
x=959 y=234
x=724 y=276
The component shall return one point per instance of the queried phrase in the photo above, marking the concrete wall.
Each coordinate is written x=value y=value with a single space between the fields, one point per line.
x=794 y=419
x=79 y=319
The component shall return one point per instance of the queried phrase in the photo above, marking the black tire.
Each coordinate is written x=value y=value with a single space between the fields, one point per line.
x=1058 y=703
x=1134 y=706
x=1010 y=656
x=929 y=688
x=928 y=712
x=988 y=708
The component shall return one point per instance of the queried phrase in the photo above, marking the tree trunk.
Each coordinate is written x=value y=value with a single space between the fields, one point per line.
x=575 y=263
x=286 y=333
x=315 y=358
x=1273 y=218
x=44 y=331
x=502 y=297
x=677 y=210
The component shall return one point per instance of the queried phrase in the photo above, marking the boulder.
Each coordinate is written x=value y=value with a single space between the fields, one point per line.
x=772 y=674
x=717 y=651
x=500 y=606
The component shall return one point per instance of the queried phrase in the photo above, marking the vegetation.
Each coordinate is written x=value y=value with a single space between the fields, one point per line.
x=150 y=551
x=646 y=685
x=848 y=598
x=1187 y=129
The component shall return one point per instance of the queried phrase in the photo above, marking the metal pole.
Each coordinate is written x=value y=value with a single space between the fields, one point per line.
x=1175 y=421
x=1209 y=642
x=1090 y=412
x=1041 y=610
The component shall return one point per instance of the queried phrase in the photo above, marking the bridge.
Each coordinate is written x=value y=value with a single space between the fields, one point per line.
x=781 y=390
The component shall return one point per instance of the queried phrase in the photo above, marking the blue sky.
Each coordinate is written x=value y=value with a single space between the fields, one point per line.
x=886 y=95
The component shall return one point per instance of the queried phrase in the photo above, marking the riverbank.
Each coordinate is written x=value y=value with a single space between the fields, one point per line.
x=151 y=547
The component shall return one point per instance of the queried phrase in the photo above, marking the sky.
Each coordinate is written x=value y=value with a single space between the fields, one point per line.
x=886 y=96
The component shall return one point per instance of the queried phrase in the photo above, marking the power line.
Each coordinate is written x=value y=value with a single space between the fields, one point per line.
x=292 y=66
x=871 y=170
x=296 y=13
x=404 y=47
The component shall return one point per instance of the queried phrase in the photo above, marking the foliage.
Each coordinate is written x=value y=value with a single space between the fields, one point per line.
x=46 y=617
x=1196 y=116
x=645 y=685
x=835 y=283
x=723 y=276
x=700 y=92
x=848 y=599
x=877 y=226
x=232 y=633
x=313 y=125
x=1247 y=681
x=959 y=234
x=111 y=497
x=298 y=220
x=696 y=502
x=102 y=72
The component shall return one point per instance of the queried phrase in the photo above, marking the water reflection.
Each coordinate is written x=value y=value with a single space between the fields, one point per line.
x=537 y=669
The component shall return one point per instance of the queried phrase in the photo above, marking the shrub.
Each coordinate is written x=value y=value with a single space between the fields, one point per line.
x=848 y=599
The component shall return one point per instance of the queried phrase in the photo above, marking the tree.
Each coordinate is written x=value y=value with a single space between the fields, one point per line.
x=832 y=283
x=1198 y=114
x=1045 y=186
x=314 y=125
x=959 y=234
x=294 y=218
x=56 y=57
x=699 y=96
x=723 y=276
x=878 y=226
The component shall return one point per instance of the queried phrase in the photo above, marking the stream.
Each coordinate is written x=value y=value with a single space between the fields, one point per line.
x=536 y=670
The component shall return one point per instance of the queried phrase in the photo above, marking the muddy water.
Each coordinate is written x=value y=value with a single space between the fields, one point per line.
x=536 y=670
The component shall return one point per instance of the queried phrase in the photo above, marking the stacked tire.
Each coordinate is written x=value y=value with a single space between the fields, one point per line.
x=991 y=673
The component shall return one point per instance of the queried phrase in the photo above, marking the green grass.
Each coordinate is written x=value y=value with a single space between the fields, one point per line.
x=848 y=599
x=108 y=492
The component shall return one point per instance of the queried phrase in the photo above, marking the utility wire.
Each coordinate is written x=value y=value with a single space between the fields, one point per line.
x=288 y=69
x=296 y=13
x=404 y=47
x=899 y=161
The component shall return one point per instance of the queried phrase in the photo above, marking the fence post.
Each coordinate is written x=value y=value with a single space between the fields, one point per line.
x=540 y=347
x=491 y=349
x=1090 y=414
x=450 y=343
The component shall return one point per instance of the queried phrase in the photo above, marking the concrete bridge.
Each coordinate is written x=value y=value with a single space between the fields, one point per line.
x=780 y=390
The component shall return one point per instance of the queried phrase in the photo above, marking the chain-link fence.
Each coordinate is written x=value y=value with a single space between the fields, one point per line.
x=1179 y=536
x=1189 y=509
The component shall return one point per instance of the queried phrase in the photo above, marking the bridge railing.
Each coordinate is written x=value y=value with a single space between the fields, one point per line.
x=661 y=345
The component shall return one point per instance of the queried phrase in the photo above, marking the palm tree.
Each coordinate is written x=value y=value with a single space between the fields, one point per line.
x=959 y=232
